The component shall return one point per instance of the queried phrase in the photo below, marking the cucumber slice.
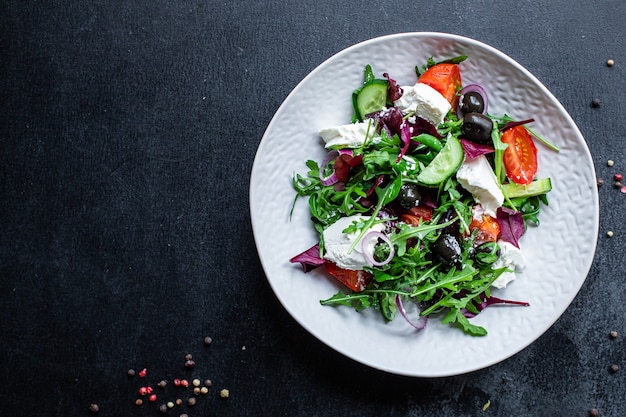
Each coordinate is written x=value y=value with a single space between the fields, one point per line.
x=371 y=97
x=537 y=187
x=444 y=164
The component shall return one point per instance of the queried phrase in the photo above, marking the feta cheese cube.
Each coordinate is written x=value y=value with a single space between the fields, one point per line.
x=425 y=102
x=511 y=258
x=477 y=177
x=352 y=135
x=337 y=244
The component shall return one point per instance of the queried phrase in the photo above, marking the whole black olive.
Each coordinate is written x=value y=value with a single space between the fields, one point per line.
x=472 y=102
x=476 y=127
x=409 y=196
x=448 y=249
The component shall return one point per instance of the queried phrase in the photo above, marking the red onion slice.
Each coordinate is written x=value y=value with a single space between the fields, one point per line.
x=369 y=256
x=420 y=324
x=332 y=178
x=476 y=89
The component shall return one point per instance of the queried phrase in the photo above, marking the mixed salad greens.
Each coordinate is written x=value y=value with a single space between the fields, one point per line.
x=422 y=198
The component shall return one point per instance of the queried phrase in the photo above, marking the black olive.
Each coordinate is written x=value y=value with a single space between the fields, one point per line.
x=476 y=127
x=472 y=102
x=448 y=249
x=409 y=196
x=451 y=229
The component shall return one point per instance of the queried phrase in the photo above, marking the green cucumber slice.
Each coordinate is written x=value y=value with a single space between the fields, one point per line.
x=445 y=163
x=371 y=97
x=537 y=187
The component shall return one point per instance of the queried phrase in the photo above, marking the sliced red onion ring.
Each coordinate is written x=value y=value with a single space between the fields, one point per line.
x=420 y=323
x=368 y=256
x=468 y=89
x=332 y=178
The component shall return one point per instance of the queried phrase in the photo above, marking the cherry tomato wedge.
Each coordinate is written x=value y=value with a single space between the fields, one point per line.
x=487 y=229
x=445 y=78
x=520 y=157
x=355 y=280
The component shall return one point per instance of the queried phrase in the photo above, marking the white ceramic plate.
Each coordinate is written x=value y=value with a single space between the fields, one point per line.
x=559 y=252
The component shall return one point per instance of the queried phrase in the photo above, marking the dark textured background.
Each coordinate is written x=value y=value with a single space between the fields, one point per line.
x=127 y=135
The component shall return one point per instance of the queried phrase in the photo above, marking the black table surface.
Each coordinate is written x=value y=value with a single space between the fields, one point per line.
x=127 y=135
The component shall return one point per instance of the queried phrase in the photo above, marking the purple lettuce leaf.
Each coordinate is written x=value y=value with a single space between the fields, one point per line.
x=309 y=259
x=395 y=91
x=474 y=150
x=489 y=301
x=511 y=225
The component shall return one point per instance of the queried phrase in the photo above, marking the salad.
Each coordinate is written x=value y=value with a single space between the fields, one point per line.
x=422 y=199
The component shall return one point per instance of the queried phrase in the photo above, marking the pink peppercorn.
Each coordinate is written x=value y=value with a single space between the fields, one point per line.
x=143 y=373
x=143 y=391
x=618 y=177
x=177 y=382
x=152 y=398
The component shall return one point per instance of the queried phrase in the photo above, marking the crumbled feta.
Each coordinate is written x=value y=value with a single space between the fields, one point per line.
x=512 y=258
x=477 y=177
x=337 y=244
x=352 y=135
x=425 y=102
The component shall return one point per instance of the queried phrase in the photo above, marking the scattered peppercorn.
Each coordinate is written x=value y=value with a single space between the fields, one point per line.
x=191 y=401
x=204 y=390
x=618 y=177
x=595 y=103
x=196 y=382
x=593 y=412
x=130 y=373
x=196 y=390
x=188 y=357
x=208 y=341
x=143 y=373
x=143 y=391
x=613 y=368
x=208 y=382
x=184 y=383
x=170 y=404
x=623 y=190
x=163 y=408
x=610 y=63
x=600 y=182
x=138 y=402
x=617 y=184
x=162 y=383
x=183 y=415
x=613 y=334
x=190 y=364
x=152 y=398
x=609 y=233
x=224 y=393
x=93 y=408
x=179 y=401
x=610 y=162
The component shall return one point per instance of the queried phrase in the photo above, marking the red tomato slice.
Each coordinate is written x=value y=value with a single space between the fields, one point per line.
x=520 y=157
x=488 y=229
x=355 y=280
x=445 y=78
